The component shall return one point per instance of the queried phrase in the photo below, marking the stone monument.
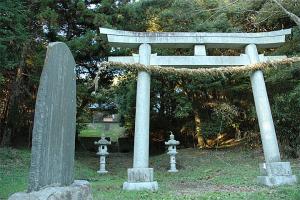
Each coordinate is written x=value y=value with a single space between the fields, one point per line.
x=273 y=171
x=53 y=137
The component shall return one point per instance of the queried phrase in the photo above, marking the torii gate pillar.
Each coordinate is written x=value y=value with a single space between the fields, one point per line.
x=141 y=176
x=273 y=171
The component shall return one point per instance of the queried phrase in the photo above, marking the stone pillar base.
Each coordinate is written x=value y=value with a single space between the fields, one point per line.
x=153 y=186
x=79 y=190
x=276 y=174
x=102 y=171
x=172 y=170
x=140 y=179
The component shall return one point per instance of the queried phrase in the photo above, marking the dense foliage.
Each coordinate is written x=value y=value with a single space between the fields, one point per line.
x=201 y=108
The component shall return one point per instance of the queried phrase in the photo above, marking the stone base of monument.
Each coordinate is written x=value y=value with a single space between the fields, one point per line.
x=276 y=174
x=79 y=190
x=140 y=179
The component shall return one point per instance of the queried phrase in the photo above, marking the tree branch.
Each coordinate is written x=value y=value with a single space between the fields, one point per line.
x=293 y=17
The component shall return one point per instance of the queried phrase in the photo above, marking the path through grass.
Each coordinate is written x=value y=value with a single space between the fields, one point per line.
x=97 y=129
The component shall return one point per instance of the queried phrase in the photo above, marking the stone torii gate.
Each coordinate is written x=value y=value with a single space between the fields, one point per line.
x=273 y=172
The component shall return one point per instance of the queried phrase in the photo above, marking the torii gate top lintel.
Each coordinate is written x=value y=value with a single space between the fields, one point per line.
x=131 y=39
x=200 y=41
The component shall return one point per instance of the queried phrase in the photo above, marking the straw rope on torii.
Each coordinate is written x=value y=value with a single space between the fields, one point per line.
x=212 y=71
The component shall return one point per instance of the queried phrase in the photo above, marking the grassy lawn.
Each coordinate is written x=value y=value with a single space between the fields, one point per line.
x=97 y=129
x=14 y=166
x=203 y=174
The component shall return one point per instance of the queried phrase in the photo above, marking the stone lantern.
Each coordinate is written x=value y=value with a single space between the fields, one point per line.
x=172 y=143
x=102 y=151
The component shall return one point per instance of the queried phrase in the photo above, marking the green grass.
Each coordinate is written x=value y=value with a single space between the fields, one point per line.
x=97 y=129
x=203 y=174
x=14 y=167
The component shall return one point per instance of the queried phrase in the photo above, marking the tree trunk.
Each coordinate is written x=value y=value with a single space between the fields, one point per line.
x=238 y=135
x=11 y=121
x=3 y=116
x=200 y=138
